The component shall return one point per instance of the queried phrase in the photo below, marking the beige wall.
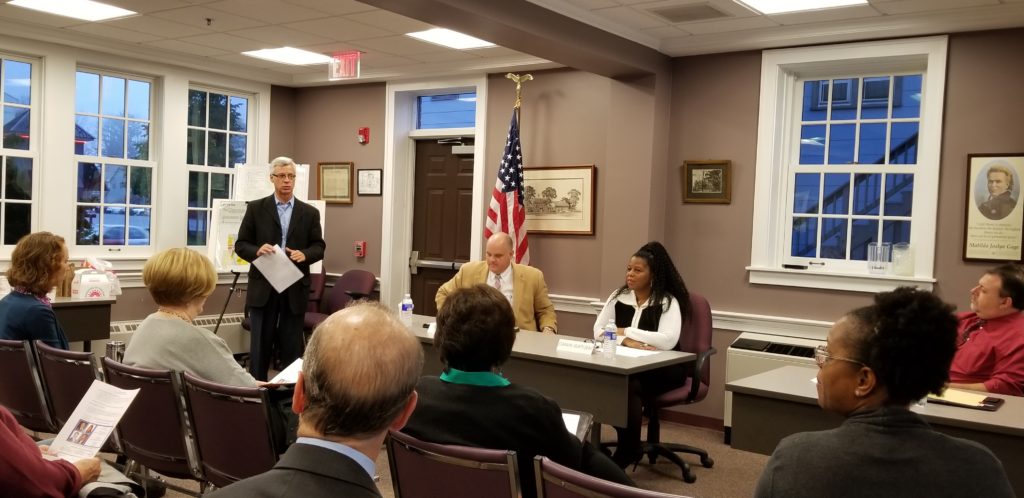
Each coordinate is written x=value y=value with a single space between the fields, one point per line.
x=326 y=120
x=575 y=118
x=135 y=304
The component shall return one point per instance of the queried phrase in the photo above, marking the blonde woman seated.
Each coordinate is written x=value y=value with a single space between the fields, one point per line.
x=180 y=280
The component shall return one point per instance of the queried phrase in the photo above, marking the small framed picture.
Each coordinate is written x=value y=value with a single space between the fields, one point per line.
x=708 y=182
x=335 y=182
x=370 y=181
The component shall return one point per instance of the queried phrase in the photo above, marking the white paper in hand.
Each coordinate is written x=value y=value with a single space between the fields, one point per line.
x=278 y=269
x=289 y=375
x=92 y=422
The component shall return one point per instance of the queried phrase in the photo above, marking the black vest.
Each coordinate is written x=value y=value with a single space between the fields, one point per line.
x=649 y=316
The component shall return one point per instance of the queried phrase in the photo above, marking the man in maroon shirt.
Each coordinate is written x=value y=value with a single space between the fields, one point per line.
x=24 y=472
x=990 y=354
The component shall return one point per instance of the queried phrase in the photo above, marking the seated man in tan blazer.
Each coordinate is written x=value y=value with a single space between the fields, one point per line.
x=523 y=285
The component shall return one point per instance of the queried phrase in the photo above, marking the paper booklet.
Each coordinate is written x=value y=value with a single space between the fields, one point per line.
x=289 y=375
x=92 y=422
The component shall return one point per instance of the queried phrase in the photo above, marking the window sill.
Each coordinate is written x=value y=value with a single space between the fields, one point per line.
x=839 y=281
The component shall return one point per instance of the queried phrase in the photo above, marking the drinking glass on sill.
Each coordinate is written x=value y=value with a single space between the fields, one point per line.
x=878 y=257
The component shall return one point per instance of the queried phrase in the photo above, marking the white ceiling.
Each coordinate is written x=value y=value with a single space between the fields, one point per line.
x=210 y=34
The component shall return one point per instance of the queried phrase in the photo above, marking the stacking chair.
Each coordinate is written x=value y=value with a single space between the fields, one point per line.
x=353 y=284
x=153 y=431
x=317 y=284
x=21 y=387
x=66 y=376
x=559 y=481
x=426 y=470
x=232 y=430
x=695 y=337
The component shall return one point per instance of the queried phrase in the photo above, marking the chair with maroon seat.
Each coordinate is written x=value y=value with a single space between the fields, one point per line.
x=426 y=470
x=153 y=432
x=21 y=387
x=695 y=337
x=559 y=481
x=352 y=285
x=67 y=376
x=230 y=422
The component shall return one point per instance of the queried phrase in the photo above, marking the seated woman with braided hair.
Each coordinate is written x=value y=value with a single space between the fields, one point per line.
x=878 y=360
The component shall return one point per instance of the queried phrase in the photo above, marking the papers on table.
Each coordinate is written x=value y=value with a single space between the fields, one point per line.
x=967 y=399
x=92 y=422
x=289 y=375
x=959 y=397
x=633 y=352
x=278 y=269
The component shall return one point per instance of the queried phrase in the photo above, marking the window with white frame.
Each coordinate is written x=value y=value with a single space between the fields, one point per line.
x=17 y=154
x=218 y=139
x=114 y=189
x=848 y=154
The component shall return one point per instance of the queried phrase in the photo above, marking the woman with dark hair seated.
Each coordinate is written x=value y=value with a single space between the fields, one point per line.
x=471 y=404
x=649 y=311
x=37 y=265
x=878 y=360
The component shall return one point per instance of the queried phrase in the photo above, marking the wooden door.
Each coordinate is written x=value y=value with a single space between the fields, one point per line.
x=442 y=213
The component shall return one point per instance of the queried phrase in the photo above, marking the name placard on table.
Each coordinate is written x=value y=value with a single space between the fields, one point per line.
x=574 y=346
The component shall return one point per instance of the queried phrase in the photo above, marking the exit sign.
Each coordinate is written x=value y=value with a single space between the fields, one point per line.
x=344 y=66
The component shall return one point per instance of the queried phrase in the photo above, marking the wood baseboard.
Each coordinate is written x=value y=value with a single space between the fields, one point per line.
x=691 y=419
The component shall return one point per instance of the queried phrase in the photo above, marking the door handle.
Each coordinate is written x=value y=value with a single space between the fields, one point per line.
x=415 y=263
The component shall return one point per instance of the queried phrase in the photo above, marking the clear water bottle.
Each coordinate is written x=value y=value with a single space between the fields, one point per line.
x=608 y=347
x=405 y=310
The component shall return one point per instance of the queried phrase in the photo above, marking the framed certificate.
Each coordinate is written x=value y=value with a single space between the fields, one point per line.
x=335 y=182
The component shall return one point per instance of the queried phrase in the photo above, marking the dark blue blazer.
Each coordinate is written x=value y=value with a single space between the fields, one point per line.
x=23 y=317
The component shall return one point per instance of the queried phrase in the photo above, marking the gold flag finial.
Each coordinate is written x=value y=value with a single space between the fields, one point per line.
x=519 y=79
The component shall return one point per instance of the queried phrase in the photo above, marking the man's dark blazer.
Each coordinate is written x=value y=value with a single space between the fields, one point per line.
x=261 y=225
x=308 y=471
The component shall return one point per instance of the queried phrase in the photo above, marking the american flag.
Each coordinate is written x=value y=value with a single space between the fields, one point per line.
x=506 y=212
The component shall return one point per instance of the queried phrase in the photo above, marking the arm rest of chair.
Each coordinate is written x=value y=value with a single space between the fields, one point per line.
x=698 y=367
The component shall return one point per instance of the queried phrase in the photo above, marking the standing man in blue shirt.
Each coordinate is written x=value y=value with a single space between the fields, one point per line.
x=350 y=392
x=294 y=226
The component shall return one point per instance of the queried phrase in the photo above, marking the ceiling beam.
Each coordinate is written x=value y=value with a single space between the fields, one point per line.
x=531 y=29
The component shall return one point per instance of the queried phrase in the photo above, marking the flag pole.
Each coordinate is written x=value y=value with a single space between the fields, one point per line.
x=514 y=204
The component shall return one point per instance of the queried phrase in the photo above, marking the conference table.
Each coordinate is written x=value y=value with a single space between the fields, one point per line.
x=772 y=405
x=584 y=382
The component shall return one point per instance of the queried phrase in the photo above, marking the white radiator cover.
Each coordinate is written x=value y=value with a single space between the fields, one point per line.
x=741 y=363
x=230 y=330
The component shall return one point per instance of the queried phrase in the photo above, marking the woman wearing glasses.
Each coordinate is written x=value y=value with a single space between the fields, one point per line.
x=878 y=360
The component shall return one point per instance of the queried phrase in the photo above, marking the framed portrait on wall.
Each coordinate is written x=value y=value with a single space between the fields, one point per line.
x=994 y=217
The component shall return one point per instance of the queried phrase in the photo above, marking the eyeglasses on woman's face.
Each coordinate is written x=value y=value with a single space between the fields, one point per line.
x=822 y=356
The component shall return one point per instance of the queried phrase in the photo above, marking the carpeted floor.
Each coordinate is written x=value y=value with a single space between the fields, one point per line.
x=734 y=475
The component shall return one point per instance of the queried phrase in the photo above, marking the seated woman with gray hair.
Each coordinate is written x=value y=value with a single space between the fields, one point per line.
x=180 y=280
x=471 y=404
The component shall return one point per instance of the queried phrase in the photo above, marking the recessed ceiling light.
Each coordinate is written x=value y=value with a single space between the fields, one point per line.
x=79 y=9
x=450 y=39
x=289 y=55
x=784 y=6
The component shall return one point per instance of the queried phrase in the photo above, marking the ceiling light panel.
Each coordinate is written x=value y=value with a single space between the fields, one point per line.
x=87 y=10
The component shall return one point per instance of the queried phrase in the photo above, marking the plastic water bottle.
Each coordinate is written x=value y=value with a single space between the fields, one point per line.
x=608 y=347
x=405 y=310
